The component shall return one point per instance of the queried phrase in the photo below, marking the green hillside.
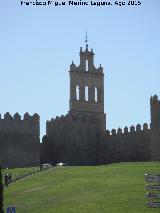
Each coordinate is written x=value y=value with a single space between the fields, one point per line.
x=113 y=188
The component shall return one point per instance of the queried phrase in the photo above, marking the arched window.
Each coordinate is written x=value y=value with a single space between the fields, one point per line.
x=86 y=65
x=86 y=93
x=96 y=94
x=77 y=92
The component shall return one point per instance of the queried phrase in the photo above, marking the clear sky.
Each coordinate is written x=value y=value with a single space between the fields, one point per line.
x=37 y=45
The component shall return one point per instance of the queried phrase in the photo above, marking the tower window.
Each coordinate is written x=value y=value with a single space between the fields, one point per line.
x=77 y=92
x=86 y=93
x=96 y=94
x=86 y=65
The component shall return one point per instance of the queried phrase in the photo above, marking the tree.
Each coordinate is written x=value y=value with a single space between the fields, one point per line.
x=1 y=192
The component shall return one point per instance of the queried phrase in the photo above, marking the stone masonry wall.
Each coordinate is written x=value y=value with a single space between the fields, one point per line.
x=72 y=139
x=133 y=145
x=19 y=140
x=78 y=142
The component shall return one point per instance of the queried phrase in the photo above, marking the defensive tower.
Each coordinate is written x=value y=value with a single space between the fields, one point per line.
x=155 y=128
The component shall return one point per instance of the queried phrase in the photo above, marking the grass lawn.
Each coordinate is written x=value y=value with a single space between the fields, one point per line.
x=113 y=188
x=19 y=172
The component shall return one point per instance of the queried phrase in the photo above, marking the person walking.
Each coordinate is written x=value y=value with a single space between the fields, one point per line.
x=6 y=179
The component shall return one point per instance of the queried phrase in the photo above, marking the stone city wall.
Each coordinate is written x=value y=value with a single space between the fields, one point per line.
x=19 y=140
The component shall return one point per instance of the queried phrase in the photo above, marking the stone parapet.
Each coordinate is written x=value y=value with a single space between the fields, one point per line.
x=14 y=124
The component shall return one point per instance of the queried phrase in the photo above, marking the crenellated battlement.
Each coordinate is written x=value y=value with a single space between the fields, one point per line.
x=70 y=118
x=17 y=116
x=15 y=124
x=58 y=119
x=128 y=130
x=65 y=121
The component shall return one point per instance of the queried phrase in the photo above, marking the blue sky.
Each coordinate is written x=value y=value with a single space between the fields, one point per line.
x=37 y=45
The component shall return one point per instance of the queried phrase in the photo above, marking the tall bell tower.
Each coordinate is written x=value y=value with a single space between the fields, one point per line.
x=87 y=88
